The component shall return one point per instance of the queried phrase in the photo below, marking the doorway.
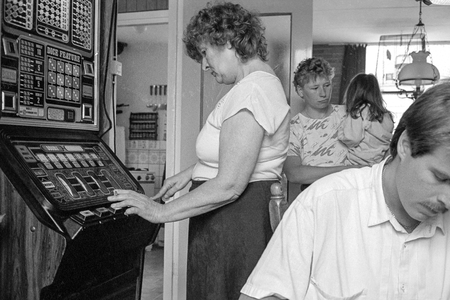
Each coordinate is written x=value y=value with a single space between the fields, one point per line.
x=141 y=91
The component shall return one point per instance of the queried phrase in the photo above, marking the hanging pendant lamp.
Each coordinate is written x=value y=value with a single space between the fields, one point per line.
x=419 y=72
x=436 y=2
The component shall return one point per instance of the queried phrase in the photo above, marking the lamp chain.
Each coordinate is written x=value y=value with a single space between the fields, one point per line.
x=420 y=14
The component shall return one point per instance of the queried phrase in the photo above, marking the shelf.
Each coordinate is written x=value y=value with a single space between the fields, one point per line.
x=144 y=126
x=143 y=121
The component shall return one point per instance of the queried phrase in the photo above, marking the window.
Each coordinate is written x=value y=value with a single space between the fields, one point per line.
x=398 y=102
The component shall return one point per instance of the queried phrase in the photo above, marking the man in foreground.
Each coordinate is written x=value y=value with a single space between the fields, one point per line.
x=373 y=233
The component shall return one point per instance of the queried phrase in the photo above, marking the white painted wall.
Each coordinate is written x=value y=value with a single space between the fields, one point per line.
x=143 y=64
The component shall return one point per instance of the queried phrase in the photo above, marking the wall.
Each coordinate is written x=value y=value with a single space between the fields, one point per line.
x=334 y=54
x=143 y=64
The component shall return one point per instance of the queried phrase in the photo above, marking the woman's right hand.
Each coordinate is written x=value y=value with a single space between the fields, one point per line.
x=174 y=184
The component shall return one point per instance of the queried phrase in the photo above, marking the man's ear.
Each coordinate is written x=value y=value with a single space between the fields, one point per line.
x=404 y=145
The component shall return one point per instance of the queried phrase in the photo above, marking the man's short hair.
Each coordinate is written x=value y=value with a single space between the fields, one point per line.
x=426 y=121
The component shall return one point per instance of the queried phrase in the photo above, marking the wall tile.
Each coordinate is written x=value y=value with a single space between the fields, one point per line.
x=153 y=157
x=132 y=156
x=143 y=156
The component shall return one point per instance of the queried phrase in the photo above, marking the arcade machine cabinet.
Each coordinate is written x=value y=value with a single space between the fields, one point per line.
x=59 y=237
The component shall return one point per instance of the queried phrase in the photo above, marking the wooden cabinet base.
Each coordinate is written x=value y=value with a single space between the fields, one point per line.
x=30 y=252
x=103 y=262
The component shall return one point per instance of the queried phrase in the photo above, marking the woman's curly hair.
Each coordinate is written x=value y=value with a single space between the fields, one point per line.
x=311 y=68
x=227 y=22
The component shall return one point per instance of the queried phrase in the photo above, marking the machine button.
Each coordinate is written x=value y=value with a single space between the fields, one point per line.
x=86 y=215
x=102 y=212
x=115 y=210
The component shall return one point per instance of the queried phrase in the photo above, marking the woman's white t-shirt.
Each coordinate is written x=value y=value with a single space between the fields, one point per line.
x=262 y=94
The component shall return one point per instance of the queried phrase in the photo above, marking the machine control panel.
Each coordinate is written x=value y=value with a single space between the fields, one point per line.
x=77 y=176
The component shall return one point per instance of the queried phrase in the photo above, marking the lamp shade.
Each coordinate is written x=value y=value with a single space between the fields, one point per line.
x=419 y=72
x=440 y=2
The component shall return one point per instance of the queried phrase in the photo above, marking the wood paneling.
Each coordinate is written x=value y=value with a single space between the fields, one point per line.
x=30 y=252
x=127 y=6
x=334 y=54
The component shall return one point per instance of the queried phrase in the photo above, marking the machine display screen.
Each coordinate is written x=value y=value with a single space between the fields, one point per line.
x=49 y=69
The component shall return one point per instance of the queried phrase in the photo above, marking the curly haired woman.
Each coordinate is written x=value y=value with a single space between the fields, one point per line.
x=241 y=150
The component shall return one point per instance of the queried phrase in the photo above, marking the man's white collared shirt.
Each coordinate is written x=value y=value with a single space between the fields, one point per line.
x=338 y=240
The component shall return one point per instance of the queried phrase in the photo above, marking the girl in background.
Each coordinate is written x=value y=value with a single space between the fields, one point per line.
x=367 y=128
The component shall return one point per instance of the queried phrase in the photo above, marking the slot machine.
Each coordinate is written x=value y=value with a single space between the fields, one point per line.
x=60 y=239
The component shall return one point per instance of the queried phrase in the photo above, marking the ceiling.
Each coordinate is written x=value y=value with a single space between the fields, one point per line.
x=344 y=21
x=363 y=21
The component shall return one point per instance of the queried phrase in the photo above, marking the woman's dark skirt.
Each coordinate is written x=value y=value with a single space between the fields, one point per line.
x=225 y=244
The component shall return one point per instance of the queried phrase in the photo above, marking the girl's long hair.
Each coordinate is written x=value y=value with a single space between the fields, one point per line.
x=364 y=91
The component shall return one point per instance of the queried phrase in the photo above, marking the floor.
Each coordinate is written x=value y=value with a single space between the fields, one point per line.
x=152 y=281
